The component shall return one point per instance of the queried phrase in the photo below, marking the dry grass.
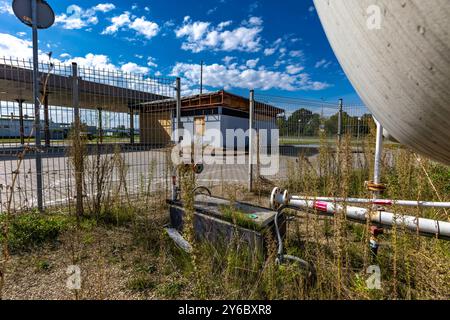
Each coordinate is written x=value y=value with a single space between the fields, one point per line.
x=124 y=253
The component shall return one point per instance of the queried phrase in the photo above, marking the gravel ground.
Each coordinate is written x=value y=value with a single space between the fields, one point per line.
x=106 y=268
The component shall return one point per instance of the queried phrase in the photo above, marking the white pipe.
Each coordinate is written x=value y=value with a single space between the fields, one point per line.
x=380 y=202
x=428 y=227
x=378 y=152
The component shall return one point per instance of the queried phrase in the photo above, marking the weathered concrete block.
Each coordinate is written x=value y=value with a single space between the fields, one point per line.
x=213 y=221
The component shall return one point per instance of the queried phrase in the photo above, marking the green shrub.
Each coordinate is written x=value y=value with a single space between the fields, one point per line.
x=239 y=218
x=33 y=229
x=43 y=265
x=441 y=177
x=171 y=290
x=141 y=283
x=118 y=216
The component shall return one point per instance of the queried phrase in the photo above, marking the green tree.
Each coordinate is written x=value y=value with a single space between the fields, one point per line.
x=302 y=122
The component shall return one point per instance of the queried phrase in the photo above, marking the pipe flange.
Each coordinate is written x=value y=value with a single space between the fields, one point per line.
x=273 y=204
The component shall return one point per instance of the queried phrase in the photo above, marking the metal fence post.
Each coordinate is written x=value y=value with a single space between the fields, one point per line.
x=178 y=114
x=100 y=125
x=37 y=120
x=250 y=140
x=131 y=125
x=339 y=133
x=78 y=152
x=21 y=122
x=46 y=122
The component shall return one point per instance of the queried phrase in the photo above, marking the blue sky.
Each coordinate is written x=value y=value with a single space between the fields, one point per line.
x=278 y=49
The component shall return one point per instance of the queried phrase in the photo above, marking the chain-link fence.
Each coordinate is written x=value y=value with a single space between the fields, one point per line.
x=303 y=127
x=303 y=122
x=107 y=134
x=122 y=138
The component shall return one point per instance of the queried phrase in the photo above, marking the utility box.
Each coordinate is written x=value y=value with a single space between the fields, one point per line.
x=218 y=221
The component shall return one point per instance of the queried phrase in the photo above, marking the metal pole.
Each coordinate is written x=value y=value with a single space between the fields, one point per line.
x=21 y=124
x=78 y=152
x=357 y=133
x=46 y=122
x=178 y=115
x=339 y=133
x=100 y=125
x=250 y=140
x=131 y=125
x=378 y=153
x=37 y=121
x=201 y=78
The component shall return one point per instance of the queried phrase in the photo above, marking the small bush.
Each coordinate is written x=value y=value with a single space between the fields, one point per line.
x=33 y=229
x=43 y=265
x=141 y=284
x=171 y=290
x=441 y=177
x=240 y=219
x=118 y=216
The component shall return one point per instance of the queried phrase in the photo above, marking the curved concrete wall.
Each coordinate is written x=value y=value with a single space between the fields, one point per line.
x=402 y=70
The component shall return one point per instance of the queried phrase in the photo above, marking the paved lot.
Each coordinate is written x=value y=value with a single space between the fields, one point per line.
x=144 y=171
x=141 y=168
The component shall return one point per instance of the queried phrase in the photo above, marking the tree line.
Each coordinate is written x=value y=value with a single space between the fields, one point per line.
x=304 y=122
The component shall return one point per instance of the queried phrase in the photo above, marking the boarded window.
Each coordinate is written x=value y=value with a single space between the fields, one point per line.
x=199 y=123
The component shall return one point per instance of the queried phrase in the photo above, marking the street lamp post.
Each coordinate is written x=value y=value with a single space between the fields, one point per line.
x=36 y=14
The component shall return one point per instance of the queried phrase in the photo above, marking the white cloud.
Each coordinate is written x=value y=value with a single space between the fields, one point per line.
x=227 y=60
x=274 y=47
x=78 y=18
x=296 y=53
x=141 y=25
x=223 y=25
x=279 y=62
x=98 y=61
x=323 y=64
x=254 y=21
x=233 y=76
x=11 y=46
x=151 y=62
x=105 y=7
x=117 y=22
x=200 y=35
x=132 y=67
x=146 y=28
x=311 y=9
x=21 y=34
x=194 y=31
x=169 y=24
x=5 y=7
x=16 y=48
x=101 y=61
x=211 y=11
x=294 y=69
x=252 y=63
x=269 y=51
